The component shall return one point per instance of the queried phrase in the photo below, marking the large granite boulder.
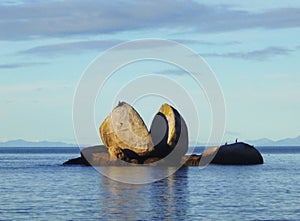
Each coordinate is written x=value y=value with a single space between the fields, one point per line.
x=124 y=129
x=232 y=154
x=126 y=137
x=169 y=133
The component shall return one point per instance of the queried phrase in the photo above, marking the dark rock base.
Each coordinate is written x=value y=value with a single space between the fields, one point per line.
x=232 y=154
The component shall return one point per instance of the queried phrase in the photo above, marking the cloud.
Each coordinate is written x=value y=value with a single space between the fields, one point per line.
x=70 y=47
x=68 y=18
x=209 y=43
x=36 y=87
x=263 y=54
x=172 y=71
x=20 y=65
x=81 y=46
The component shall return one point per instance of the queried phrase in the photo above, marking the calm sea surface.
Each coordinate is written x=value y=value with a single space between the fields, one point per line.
x=34 y=186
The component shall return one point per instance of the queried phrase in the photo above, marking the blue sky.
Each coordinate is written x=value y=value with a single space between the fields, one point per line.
x=252 y=47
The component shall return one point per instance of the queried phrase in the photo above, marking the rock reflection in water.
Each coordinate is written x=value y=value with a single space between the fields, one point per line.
x=156 y=201
x=136 y=174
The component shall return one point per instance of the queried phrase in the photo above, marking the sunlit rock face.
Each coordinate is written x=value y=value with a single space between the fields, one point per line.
x=126 y=137
x=124 y=128
x=233 y=154
x=174 y=123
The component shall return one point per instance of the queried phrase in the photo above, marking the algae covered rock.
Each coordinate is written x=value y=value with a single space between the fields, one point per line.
x=125 y=129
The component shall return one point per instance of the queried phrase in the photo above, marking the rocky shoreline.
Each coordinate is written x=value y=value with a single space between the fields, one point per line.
x=230 y=154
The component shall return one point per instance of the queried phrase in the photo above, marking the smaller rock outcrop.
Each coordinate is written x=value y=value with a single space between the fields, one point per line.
x=192 y=160
x=238 y=153
x=87 y=155
x=77 y=161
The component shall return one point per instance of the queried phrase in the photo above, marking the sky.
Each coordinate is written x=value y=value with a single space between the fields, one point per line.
x=253 y=49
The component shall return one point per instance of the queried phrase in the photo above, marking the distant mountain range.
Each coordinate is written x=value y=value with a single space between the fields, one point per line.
x=265 y=142
x=24 y=143
x=260 y=142
x=283 y=142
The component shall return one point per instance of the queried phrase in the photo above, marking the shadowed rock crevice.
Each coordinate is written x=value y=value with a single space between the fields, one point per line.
x=159 y=134
x=169 y=134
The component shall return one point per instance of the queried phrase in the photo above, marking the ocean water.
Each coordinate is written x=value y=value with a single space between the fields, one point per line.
x=35 y=186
